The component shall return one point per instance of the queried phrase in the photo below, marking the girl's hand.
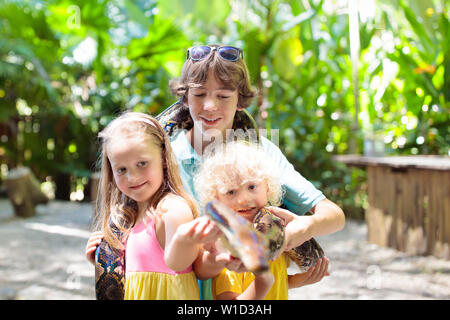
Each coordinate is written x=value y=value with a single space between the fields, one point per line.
x=93 y=243
x=313 y=275
x=200 y=230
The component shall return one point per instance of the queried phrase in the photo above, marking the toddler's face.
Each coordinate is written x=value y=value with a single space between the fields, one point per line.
x=246 y=199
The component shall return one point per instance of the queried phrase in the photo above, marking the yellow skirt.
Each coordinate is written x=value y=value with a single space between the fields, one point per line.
x=161 y=286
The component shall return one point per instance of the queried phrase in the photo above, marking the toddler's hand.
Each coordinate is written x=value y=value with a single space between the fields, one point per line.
x=265 y=278
x=313 y=275
x=223 y=259
x=236 y=265
x=263 y=282
x=93 y=243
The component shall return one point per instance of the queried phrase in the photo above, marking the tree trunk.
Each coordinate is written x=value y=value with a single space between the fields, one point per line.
x=24 y=191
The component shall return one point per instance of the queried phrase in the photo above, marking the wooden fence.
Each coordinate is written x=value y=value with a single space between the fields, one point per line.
x=409 y=202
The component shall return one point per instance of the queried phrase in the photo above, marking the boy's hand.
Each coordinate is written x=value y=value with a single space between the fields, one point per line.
x=313 y=275
x=296 y=230
x=93 y=243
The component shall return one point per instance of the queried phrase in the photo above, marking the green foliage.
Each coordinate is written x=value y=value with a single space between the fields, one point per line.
x=73 y=65
x=63 y=76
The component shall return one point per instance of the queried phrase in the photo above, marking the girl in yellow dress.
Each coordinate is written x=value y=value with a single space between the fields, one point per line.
x=244 y=178
x=141 y=194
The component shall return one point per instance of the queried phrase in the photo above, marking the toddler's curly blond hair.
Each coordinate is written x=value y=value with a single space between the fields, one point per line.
x=232 y=164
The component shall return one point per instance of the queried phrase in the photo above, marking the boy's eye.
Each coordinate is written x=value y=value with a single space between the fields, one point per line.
x=224 y=97
x=252 y=187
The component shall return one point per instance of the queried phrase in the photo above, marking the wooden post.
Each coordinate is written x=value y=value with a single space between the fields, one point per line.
x=95 y=177
x=24 y=191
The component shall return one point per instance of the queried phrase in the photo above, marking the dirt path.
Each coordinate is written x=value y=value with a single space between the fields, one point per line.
x=360 y=270
x=43 y=258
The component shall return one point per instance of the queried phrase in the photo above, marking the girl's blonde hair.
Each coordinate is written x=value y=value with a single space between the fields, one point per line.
x=233 y=74
x=235 y=163
x=115 y=212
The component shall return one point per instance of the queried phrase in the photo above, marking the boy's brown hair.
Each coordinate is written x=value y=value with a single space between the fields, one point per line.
x=232 y=74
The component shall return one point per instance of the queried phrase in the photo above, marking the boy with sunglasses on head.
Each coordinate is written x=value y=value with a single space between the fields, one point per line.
x=214 y=89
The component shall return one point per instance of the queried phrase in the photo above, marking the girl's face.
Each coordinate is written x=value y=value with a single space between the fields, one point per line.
x=247 y=199
x=212 y=106
x=137 y=167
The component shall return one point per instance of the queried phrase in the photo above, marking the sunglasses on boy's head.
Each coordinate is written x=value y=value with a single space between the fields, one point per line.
x=225 y=52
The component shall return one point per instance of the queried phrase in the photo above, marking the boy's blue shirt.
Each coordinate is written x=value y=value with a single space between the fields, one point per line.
x=299 y=195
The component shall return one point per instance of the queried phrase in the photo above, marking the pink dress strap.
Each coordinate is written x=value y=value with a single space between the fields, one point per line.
x=143 y=252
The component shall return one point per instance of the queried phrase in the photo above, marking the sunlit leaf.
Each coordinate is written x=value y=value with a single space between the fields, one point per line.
x=289 y=55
